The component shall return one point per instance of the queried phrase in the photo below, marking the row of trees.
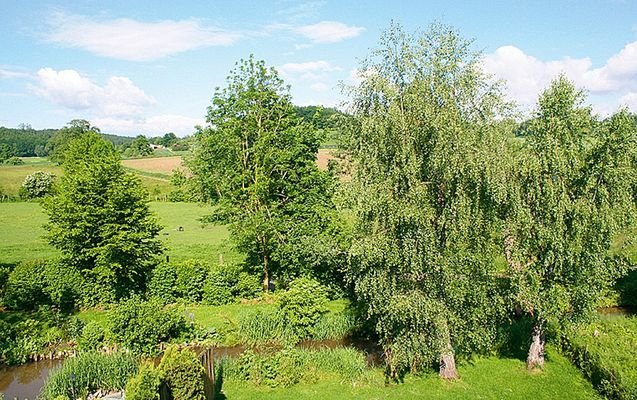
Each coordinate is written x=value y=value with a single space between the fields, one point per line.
x=441 y=190
x=449 y=223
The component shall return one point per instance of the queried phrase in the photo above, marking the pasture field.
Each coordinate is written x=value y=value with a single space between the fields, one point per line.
x=21 y=233
x=12 y=176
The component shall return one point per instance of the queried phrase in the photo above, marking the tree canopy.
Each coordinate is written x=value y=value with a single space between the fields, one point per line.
x=100 y=221
x=429 y=160
x=256 y=160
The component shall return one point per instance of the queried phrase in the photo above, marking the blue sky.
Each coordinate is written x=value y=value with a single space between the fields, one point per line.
x=151 y=67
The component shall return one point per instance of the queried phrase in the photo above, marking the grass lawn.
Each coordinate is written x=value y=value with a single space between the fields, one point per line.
x=21 y=233
x=483 y=378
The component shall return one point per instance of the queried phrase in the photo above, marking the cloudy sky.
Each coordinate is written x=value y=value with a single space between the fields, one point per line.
x=151 y=66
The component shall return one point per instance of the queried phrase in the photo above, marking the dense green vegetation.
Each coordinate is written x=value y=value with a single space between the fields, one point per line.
x=460 y=241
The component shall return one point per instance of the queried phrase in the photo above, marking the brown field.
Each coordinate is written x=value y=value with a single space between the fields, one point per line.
x=162 y=165
x=324 y=155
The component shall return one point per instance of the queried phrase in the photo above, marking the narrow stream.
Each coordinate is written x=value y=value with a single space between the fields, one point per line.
x=25 y=381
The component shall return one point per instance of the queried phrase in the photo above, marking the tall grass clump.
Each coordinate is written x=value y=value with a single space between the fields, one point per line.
x=335 y=325
x=265 y=326
x=80 y=376
x=290 y=366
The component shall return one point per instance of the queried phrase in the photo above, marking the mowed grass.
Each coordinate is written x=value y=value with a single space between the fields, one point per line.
x=21 y=233
x=483 y=378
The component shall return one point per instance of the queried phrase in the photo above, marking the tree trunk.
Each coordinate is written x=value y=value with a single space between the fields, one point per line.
x=536 y=351
x=448 y=363
x=266 y=277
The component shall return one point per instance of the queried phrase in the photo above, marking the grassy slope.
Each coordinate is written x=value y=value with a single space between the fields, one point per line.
x=484 y=378
x=21 y=233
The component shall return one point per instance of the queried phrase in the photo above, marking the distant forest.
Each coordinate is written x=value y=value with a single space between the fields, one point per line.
x=28 y=142
x=25 y=141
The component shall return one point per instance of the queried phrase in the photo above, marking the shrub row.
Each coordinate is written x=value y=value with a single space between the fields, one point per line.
x=195 y=281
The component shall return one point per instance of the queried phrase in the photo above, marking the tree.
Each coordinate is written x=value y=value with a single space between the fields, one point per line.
x=576 y=193
x=256 y=160
x=57 y=145
x=428 y=183
x=168 y=139
x=140 y=146
x=100 y=221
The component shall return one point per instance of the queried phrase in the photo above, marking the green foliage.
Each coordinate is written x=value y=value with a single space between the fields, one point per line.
x=191 y=277
x=92 y=337
x=291 y=366
x=140 y=147
x=256 y=158
x=303 y=304
x=606 y=351
x=87 y=373
x=335 y=325
x=576 y=192
x=429 y=180
x=267 y=325
x=36 y=185
x=183 y=373
x=141 y=325
x=227 y=282
x=14 y=161
x=100 y=221
x=144 y=385
x=163 y=283
x=25 y=287
x=57 y=146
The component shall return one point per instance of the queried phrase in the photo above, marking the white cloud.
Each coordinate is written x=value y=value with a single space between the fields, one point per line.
x=319 y=87
x=329 y=31
x=128 y=39
x=10 y=74
x=629 y=100
x=154 y=125
x=306 y=67
x=527 y=76
x=67 y=88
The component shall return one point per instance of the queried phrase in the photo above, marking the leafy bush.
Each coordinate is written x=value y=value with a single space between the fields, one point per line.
x=64 y=285
x=191 y=278
x=303 y=304
x=163 y=283
x=87 y=373
x=92 y=337
x=218 y=289
x=4 y=277
x=14 y=161
x=183 y=373
x=144 y=385
x=25 y=287
x=248 y=286
x=37 y=185
x=142 y=325
x=227 y=282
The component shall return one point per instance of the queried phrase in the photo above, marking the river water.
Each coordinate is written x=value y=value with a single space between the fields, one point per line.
x=25 y=381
